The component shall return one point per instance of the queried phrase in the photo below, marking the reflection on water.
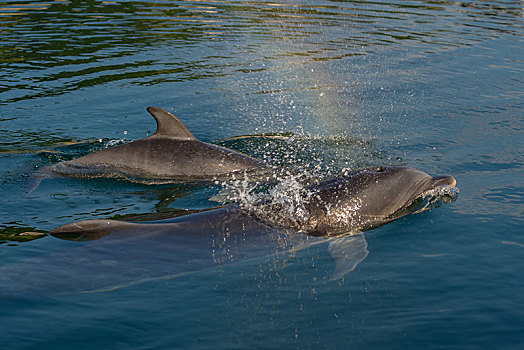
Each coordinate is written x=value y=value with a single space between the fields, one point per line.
x=59 y=46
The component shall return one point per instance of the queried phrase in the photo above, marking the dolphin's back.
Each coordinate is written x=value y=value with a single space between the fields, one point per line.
x=161 y=158
x=171 y=153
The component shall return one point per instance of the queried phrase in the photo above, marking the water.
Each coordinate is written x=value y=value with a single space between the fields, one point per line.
x=433 y=85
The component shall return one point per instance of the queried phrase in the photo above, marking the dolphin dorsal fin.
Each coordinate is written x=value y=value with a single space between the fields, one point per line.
x=169 y=125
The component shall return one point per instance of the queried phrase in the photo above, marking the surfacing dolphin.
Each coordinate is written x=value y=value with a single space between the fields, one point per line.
x=262 y=236
x=171 y=154
x=359 y=200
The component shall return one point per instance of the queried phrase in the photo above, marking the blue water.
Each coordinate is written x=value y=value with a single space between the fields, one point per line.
x=435 y=85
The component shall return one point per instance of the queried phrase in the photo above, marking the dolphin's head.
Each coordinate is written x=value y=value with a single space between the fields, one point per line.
x=370 y=197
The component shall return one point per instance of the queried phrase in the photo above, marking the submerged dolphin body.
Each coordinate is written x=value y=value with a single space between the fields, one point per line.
x=172 y=153
x=204 y=249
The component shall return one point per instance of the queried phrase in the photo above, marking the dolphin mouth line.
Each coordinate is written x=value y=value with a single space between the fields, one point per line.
x=430 y=199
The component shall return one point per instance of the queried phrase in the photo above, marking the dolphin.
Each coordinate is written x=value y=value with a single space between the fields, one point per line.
x=335 y=211
x=171 y=154
x=356 y=201
x=263 y=234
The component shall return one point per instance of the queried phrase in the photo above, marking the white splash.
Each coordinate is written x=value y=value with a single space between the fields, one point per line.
x=435 y=197
x=280 y=199
x=113 y=143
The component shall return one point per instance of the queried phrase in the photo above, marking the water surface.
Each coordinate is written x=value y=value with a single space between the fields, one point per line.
x=437 y=85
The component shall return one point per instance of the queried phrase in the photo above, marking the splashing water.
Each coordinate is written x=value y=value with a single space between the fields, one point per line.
x=113 y=143
x=437 y=196
x=279 y=199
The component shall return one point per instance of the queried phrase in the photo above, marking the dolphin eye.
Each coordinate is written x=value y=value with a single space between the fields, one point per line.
x=379 y=169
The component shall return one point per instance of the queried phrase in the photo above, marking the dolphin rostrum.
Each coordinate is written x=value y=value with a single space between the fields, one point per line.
x=172 y=153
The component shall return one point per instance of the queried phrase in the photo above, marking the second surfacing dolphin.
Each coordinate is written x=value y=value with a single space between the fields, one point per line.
x=356 y=201
x=338 y=209
x=171 y=154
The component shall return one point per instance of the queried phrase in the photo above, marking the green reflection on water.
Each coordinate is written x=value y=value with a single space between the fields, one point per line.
x=19 y=234
x=57 y=47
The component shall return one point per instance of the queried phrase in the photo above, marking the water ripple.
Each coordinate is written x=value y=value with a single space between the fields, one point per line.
x=55 y=47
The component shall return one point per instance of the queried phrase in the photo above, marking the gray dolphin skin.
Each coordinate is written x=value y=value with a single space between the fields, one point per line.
x=359 y=200
x=172 y=153
x=368 y=198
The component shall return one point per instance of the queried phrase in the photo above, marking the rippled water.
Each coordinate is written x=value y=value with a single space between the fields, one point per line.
x=437 y=85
